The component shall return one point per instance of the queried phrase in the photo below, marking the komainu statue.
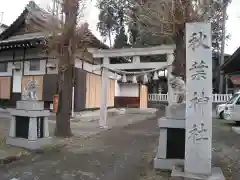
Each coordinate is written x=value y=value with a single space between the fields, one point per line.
x=179 y=88
x=30 y=92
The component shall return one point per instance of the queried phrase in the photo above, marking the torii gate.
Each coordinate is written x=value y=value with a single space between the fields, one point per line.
x=136 y=64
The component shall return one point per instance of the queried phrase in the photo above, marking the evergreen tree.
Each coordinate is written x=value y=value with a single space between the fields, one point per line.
x=156 y=22
x=121 y=39
x=107 y=24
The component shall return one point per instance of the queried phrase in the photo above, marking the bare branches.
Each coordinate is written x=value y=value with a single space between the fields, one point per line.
x=60 y=9
x=167 y=17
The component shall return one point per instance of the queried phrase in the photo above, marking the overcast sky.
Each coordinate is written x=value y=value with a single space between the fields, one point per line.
x=13 y=8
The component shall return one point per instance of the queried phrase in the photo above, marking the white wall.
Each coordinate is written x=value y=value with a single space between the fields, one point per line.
x=117 y=88
x=129 y=90
x=89 y=68
x=17 y=80
x=31 y=73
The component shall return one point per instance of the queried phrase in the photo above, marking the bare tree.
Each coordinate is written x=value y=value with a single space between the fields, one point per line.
x=66 y=37
x=67 y=50
x=168 y=18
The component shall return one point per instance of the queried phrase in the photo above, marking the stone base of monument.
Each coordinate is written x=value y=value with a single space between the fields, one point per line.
x=178 y=172
x=171 y=147
x=29 y=144
x=29 y=125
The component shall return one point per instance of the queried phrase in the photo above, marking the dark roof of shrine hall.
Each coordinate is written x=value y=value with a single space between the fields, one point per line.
x=232 y=64
x=24 y=37
x=33 y=14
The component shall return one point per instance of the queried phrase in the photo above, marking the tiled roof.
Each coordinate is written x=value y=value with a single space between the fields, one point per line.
x=41 y=16
x=33 y=13
x=23 y=37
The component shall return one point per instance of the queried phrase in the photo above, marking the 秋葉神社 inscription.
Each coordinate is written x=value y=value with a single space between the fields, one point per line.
x=198 y=69
x=197 y=133
x=197 y=39
x=198 y=147
x=198 y=101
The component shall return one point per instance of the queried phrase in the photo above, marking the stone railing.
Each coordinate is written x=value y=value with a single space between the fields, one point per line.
x=217 y=98
x=158 y=97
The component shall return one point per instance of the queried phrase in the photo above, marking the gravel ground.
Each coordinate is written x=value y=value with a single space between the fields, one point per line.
x=226 y=153
x=117 y=154
x=120 y=154
x=226 y=149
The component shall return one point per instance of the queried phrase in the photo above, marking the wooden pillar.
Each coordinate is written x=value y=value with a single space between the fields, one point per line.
x=104 y=91
x=170 y=59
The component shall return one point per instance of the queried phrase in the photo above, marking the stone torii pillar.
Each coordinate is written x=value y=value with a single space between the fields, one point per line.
x=104 y=90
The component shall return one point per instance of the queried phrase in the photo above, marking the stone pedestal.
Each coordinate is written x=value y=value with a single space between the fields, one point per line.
x=171 y=147
x=29 y=125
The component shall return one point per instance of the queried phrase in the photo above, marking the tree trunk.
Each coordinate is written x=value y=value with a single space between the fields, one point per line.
x=110 y=38
x=66 y=68
x=65 y=80
x=179 y=64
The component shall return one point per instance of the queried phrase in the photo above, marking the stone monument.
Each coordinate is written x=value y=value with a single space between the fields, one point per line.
x=198 y=137
x=29 y=122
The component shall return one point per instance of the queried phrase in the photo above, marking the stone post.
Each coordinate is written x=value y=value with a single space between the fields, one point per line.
x=33 y=131
x=162 y=149
x=46 y=129
x=198 y=134
x=198 y=146
x=12 y=130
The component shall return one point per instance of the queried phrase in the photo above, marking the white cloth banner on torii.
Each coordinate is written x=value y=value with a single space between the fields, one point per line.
x=198 y=144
